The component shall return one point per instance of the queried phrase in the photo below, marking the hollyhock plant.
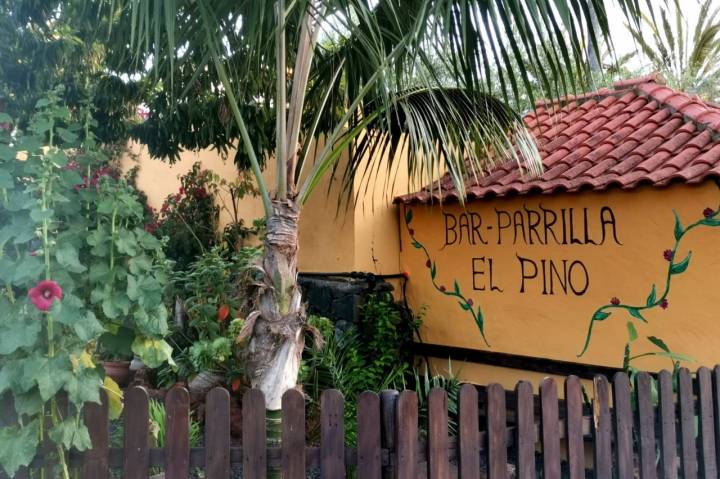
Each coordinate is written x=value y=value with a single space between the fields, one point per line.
x=44 y=294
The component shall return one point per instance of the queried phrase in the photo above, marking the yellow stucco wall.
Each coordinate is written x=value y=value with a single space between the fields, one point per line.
x=363 y=237
x=554 y=326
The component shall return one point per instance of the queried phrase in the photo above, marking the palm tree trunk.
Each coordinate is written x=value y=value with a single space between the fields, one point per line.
x=275 y=349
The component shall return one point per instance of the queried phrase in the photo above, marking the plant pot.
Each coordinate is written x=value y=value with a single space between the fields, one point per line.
x=119 y=371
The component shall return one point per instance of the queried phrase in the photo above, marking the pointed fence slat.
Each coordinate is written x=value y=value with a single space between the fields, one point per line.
x=496 y=425
x=716 y=410
x=468 y=433
x=574 y=427
x=332 y=435
x=708 y=464
x=438 y=441
x=177 y=434
x=407 y=437
x=95 y=461
x=136 y=420
x=688 y=448
x=668 y=435
x=525 y=430
x=623 y=426
x=550 y=429
x=602 y=428
x=369 y=453
x=253 y=435
x=293 y=435
x=646 y=426
x=217 y=434
x=388 y=430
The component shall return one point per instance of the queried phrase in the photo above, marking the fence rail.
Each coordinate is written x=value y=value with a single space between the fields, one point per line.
x=650 y=433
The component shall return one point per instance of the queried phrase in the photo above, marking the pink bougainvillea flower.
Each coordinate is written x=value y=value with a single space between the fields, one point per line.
x=664 y=304
x=668 y=254
x=44 y=293
x=615 y=301
x=182 y=190
x=708 y=212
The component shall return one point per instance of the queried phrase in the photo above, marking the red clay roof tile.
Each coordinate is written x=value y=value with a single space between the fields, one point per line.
x=640 y=132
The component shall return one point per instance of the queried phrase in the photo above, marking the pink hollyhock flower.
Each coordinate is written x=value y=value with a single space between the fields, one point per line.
x=668 y=254
x=44 y=293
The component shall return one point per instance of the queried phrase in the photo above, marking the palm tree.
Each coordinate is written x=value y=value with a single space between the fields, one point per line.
x=375 y=76
x=688 y=63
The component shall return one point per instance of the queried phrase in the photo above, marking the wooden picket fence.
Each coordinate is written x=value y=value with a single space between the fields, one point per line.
x=500 y=434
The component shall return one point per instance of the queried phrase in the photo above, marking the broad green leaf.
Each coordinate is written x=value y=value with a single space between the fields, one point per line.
x=5 y=118
x=600 y=316
x=678 y=226
x=22 y=333
x=140 y=264
x=67 y=256
x=109 y=309
x=680 y=267
x=19 y=445
x=39 y=215
x=652 y=297
x=83 y=386
x=659 y=343
x=72 y=434
x=28 y=403
x=30 y=268
x=50 y=374
x=87 y=327
x=42 y=103
x=153 y=352
x=6 y=179
x=632 y=332
x=115 y=397
x=126 y=243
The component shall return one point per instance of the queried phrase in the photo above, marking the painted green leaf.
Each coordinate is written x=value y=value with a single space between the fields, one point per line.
x=417 y=244
x=464 y=305
x=659 y=343
x=456 y=287
x=652 y=297
x=19 y=446
x=67 y=256
x=433 y=271
x=600 y=316
x=408 y=216
x=680 y=267
x=632 y=332
x=71 y=434
x=635 y=313
x=678 y=226
x=710 y=222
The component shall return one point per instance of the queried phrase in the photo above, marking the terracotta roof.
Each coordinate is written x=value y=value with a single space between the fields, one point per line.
x=639 y=132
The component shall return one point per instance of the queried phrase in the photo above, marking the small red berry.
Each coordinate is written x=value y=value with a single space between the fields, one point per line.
x=615 y=301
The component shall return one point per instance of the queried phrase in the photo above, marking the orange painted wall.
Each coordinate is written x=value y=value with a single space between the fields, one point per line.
x=554 y=325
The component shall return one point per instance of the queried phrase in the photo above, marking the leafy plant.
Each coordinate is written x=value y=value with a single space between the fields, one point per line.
x=158 y=426
x=71 y=261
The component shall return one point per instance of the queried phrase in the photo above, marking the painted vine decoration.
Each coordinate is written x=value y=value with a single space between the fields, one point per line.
x=467 y=304
x=710 y=218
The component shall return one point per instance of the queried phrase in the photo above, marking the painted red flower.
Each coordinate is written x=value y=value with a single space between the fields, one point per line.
x=406 y=275
x=664 y=304
x=442 y=288
x=615 y=301
x=412 y=232
x=428 y=263
x=708 y=212
x=470 y=302
x=668 y=254
x=223 y=312
x=44 y=293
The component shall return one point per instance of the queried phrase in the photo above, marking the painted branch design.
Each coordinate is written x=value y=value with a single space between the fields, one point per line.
x=467 y=304
x=710 y=218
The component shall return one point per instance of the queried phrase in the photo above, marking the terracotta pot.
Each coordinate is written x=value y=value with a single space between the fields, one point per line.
x=119 y=371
